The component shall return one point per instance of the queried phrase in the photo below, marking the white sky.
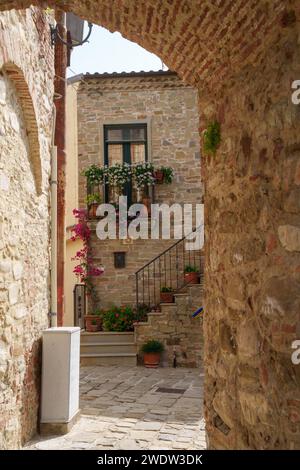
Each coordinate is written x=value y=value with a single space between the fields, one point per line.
x=110 y=52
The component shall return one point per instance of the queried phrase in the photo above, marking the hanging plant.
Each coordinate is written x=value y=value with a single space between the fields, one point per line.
x=212 y=138
x=143 y=174
x=164 y=174
x=118 y=175
x=95 y=174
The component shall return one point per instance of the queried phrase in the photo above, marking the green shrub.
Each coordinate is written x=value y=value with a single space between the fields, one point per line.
x=152 y=346
x=212 y=138
x=190 y=269
x=118 y=319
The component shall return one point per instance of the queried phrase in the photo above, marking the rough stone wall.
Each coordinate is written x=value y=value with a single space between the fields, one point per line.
x=26 y=77
x=249 y=48
x=252 y=281
x=117 y=285
x=176 y=329
x=171 y=111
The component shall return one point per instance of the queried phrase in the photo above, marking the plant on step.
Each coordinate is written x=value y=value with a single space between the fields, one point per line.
x=141 y=313
x=166 y=289
x=212 y=138
x=191 y=274
x=166 y=295
x=152 y=351
x=118 y=318
x=164 y=174
x=190 y=269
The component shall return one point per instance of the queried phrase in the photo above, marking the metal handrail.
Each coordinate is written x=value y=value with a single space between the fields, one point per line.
x=167 y=267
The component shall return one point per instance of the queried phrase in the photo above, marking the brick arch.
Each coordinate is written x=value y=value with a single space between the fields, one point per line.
x=16 y=75
x=243 y=56
x=206 y=42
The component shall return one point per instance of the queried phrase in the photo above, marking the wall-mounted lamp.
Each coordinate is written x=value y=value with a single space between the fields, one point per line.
x=74 y=26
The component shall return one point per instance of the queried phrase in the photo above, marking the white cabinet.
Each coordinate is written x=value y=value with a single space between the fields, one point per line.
x=60 y=374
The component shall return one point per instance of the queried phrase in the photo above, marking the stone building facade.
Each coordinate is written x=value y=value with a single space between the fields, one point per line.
x=26 y=97
x=169 y=110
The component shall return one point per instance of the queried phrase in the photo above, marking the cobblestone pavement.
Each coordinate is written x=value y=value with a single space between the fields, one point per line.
x=121 y=408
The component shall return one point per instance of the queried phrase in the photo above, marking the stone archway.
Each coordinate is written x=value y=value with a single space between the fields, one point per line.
x=242 y=56
x=17 y=77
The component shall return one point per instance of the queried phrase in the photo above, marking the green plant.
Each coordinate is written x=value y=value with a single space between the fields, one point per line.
x=94 y=322
x=118 y=174
x=95 y=174
x=168 y=174
x=166 y=289
x=212 y=138
x=190 y=269
x=141 y=313
x=118 y=319
x=143 y=174
x=93 y=199
x=152 y=346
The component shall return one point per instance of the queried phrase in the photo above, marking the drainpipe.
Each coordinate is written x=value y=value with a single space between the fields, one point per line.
x=60 y=91
x=53 y=311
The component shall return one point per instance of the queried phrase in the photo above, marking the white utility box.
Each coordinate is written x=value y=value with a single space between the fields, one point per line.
x=60 y=379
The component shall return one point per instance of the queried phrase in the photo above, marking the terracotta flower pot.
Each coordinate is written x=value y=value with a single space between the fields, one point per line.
x=93 y=210
x=151 y=360
x=166 y=297
x=147 y=203
x=159 y=176
x=191 y=278
x=89 y=320
x=93 y=328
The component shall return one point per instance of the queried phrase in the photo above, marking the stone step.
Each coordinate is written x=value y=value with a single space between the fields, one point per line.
x=107 y=337
x=110 y=359
x=106 y=348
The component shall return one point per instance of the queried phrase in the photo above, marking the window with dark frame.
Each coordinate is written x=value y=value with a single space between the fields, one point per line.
x=125 y=143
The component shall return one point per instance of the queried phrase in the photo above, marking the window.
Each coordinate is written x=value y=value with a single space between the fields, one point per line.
x=125 y=143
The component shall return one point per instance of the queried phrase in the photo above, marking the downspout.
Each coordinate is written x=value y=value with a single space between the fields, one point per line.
x=60 y=90
x=53 y=311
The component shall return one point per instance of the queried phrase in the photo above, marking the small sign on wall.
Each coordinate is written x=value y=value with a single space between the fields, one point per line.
x=119 y=259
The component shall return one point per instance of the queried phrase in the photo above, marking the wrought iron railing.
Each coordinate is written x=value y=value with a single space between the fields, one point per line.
x=167 y=270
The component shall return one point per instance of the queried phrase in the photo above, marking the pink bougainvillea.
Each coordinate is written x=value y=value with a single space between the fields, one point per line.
x=85 y=269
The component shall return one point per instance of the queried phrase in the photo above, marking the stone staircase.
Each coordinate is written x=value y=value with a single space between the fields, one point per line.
x=107 y=349
x=181 y=334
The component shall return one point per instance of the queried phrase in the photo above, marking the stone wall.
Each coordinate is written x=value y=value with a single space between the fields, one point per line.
x=252 y=281
x=174 y=326
x=170 y=110
x=165 y=104
x=26 y=85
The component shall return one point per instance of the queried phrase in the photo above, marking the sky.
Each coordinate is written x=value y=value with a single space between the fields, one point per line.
x=110 y=52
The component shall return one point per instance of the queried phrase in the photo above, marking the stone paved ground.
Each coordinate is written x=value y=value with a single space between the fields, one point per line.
x=121 y=409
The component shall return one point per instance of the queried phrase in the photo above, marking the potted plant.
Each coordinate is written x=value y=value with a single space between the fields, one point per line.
x=191 y=275
x=94 y=327
x=93 y=201
x=166 y=295
x=152 y=350
x=93 y=321
x=164 y=174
